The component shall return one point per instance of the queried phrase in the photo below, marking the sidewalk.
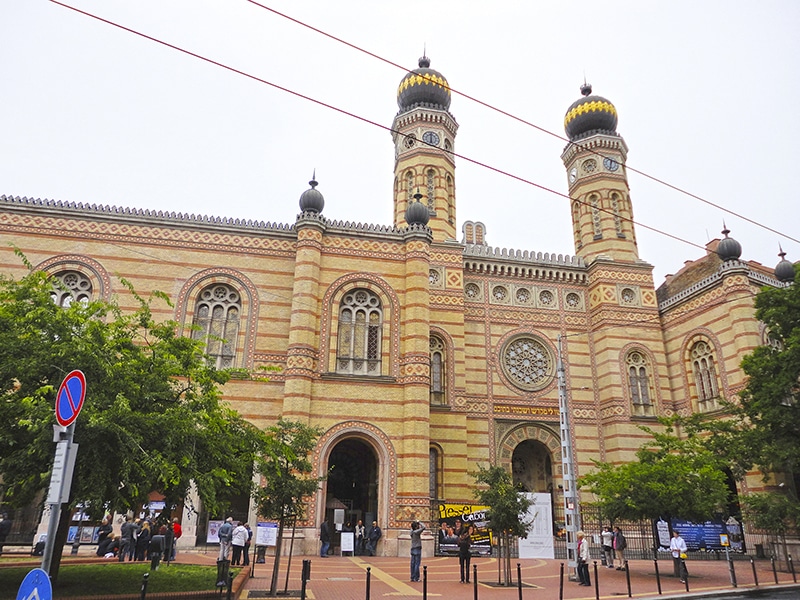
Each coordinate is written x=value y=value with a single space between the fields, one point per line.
x=344 y=578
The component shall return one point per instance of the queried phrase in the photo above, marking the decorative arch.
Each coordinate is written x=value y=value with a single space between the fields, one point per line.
x=690 y=385
x=101 y=281
x=529 y=432
x=449 y=366
x=390 y=350
x=187 y=300
x=655 y=387
x=380 y=443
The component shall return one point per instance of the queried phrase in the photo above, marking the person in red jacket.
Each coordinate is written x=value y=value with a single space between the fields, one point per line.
x=177 y=532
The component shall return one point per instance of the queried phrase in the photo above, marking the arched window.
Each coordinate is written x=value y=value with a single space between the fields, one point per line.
x=594 y=201
x=615 y=202
x=216 y=320
x=409 y=185
x=438 y=371
x=72 y=285
x=639 y=384
x=705 y=376
x=430 y=180
x=451 y=205
x=360 y=323
x=434 y=474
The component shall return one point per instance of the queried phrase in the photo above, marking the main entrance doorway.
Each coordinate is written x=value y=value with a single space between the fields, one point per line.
x=352 y=482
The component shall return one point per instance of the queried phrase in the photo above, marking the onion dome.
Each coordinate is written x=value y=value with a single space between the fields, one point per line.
x=417 y=213
x=590 y=114
x=728 y=248
x=784 y=271
x=312 y=200
x=423 y=86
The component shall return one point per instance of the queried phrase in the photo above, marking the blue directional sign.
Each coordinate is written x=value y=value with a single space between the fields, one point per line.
x=69 y=399
x=36 y=586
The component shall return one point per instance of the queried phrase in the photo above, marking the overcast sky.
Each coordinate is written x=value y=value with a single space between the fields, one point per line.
x=706 y=93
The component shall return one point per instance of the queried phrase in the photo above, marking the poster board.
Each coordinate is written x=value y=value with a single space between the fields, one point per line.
x=453 y=517
x=348 y=541
x=212 y=537
x=539 y=543
x=266 y=533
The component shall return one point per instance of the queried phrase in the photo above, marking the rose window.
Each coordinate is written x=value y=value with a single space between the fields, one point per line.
x=500 y=293
x=546 y=297
x=472 y=290
x=527 y=363
x=573 y=300
x=433 y=276
x=523 y=296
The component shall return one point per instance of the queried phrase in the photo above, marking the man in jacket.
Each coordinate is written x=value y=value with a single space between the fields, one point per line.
x=374 y=535
x=225 y=534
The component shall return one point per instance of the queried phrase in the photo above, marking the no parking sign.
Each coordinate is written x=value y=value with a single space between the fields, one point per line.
x=69 y=399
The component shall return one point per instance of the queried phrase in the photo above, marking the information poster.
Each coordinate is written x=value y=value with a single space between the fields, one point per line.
x=539 y=543
x=453 y=518
x=266 y=533
x=700 y=536
x=348 y=541
x=212 y=537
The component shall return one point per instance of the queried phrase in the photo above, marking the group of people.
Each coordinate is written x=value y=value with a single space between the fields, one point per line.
x=365 y=540
x=235 y=538
x=138 y=539
x=614 y=545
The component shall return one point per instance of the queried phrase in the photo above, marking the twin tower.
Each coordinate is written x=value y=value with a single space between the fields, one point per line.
x=424 y=133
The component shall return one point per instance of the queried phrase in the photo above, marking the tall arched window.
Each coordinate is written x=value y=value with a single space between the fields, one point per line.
x=451 y=205
x=438 y=371
x=705 y=376
x=615 y=202
x=594 y=201
x=434 y=474
x=639 y=384
x=360 y=323
x=430 y=180
x=216 y=320
x=72 y=286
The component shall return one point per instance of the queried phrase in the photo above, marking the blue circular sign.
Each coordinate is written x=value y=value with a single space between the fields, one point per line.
x=36 y=585
x=69 y=399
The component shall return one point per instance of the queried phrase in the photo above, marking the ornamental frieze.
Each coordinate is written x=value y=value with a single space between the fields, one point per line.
x=471 y=405
x=453 y=258
x=443 y=300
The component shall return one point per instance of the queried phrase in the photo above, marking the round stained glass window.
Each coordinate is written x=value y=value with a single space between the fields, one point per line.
x=472 y=290
x=527 y=363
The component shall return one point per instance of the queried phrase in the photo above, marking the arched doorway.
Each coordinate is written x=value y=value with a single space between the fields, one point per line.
x=352 y=483
x=532 y=467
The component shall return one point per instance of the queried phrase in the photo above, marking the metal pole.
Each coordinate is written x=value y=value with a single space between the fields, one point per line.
x=561 y=582
x=596 y=582
x=731 y=568
x=755 y=574
x=425 y=582
x=774 y=570
x=791 y=568
x=475 y=581
x=572 y=516
x=519 y=580
x=369 y=574
x=628 y=578
x=145 y=577
x=658 y=576
x=62 y=456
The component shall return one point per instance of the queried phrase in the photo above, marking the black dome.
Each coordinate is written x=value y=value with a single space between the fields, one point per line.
x=590 y=113
x=424 y=86
x=728 y=248
x=312 y=200
x=417 y=213
x=784 y=271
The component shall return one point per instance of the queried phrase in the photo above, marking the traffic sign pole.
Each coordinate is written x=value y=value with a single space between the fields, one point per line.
x=55 y=496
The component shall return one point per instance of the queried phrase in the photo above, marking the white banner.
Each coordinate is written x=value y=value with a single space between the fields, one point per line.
x=539 y=543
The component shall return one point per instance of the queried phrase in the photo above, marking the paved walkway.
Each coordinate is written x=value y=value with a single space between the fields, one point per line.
x=345 y=578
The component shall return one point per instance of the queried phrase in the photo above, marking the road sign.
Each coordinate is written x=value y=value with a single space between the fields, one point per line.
x=35 y=586
x=69 y=399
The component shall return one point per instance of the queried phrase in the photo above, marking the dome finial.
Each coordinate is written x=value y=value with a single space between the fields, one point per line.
x=313 y=183
x=725 y=230
x=728 y=248
x=418 y=196
x=312 y=199
x=784 y=271
x=586 y=88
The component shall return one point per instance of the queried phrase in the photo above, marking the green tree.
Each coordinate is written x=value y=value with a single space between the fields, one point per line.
x=153 y=419
x=285 y=469
x=672 y=477
x=776 y=514
x=508 y=507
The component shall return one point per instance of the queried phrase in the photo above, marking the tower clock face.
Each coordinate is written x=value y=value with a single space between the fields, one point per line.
x=610 y=164
x=573 y=174
x=431 y=137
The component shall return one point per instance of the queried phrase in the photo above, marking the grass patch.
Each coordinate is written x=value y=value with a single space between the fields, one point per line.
x=115 y=578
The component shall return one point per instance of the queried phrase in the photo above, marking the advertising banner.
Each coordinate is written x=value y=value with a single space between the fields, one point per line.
x=706 y=535
x=453 y=518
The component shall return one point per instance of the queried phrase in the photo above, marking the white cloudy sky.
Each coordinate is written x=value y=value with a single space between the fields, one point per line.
x=706 y=92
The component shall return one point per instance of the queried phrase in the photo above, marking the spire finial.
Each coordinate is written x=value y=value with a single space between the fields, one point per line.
x=586 y=88
x=417 y=196
x=313 y=183
x=781 y=253
x=725 y=230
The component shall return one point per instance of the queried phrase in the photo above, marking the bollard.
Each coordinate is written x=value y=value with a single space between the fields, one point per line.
x=658 y=576
x=145 y=578
x=369 y=574
x=596 y=583
x=561 y=583
x=628 y=578
x=519 y=580
x=475 y=581
x=230 y=586
x=774 y=570
x=791 y=568
x=424 y=582
x=686 y=583
x=755 y=573
x=732 y=570
x=222 y=571
x=304 y=578
x=154 y=560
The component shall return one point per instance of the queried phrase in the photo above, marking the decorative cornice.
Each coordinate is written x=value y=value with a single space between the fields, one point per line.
x=595 y=141
x=479 y=258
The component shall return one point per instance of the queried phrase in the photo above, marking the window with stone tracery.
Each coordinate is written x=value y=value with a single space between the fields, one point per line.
x=431 y=189
x=527 y=363
x=705 y=376
x=615 y=200
x=435 y=473
x=410 y=185
x=639 y=384
x=359 y=336
x=594 y=201
x=451 y=205
x=216 y=320
x=72 y=286
x=438 y=370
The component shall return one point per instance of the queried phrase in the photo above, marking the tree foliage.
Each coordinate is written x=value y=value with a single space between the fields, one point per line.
x=672 y=477
x=153 y=419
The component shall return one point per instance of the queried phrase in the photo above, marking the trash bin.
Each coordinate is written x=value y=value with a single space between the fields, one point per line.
x=222 y=572
x=261 y=554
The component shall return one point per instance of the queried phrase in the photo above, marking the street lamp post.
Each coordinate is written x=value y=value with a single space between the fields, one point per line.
x=572 y=515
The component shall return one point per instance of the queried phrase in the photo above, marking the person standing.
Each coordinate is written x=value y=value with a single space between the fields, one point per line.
x=238 y=541
x=177 y=532
x=583 y=559
x=361 y=537
x=225 y=533
x=416 y=548
x=677 y=546
x=325 y=538
x=127 y=542
x=607 y=540
x=620 y=544
x=104 y=530
x=465 y=553
x=373 y=536
x=5 y=529
x=143 y=541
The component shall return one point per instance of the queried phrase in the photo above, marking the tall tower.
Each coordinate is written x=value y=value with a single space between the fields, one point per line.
x=602 y=215
x=424 y=135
